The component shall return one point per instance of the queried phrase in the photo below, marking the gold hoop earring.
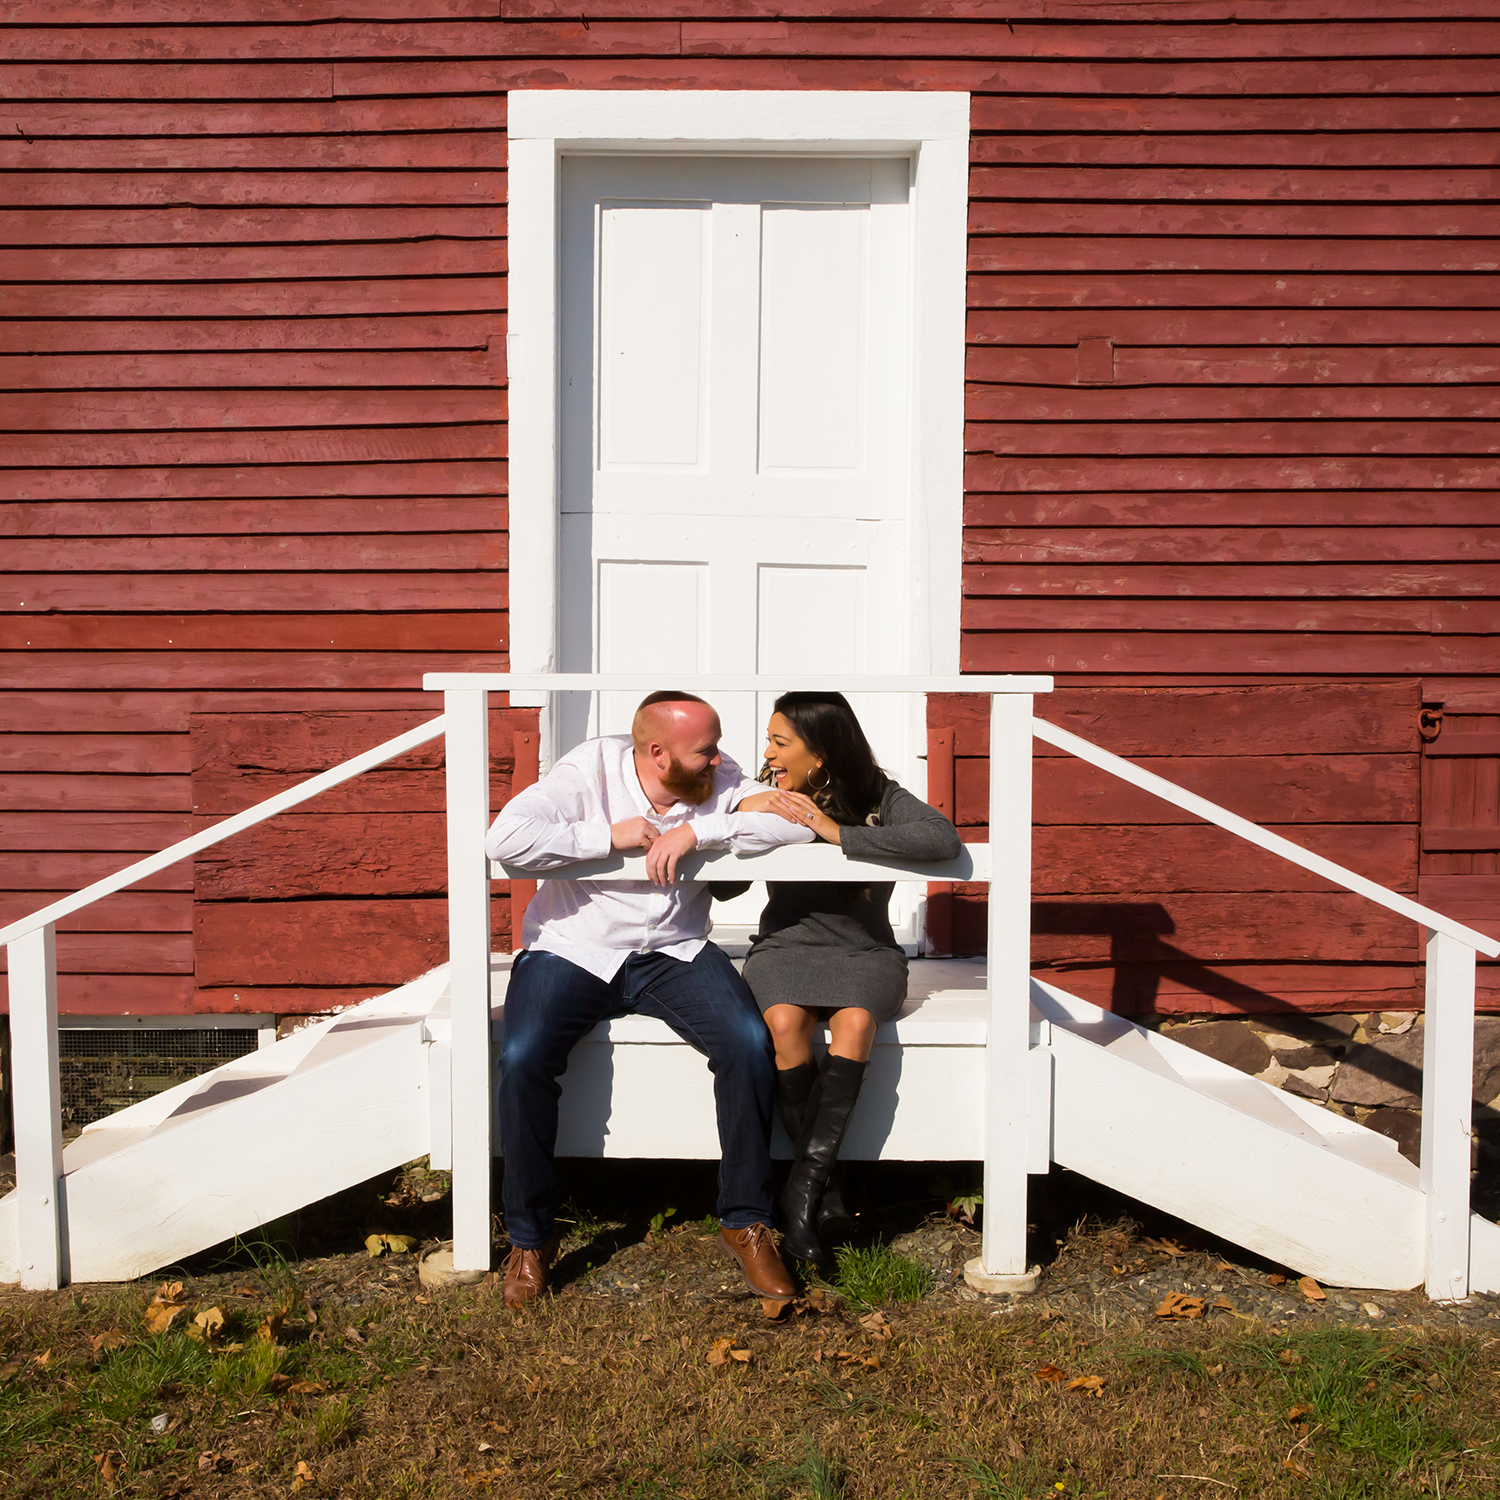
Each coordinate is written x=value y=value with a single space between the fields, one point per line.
x=827 y=780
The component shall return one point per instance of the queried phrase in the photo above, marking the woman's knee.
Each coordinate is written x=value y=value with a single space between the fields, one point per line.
x=851 y=1032
x=788 y=1024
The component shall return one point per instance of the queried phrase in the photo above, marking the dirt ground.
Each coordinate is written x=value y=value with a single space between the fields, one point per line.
x=1152 y=1363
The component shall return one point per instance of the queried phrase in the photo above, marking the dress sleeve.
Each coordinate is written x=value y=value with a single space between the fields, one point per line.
x=909 y=829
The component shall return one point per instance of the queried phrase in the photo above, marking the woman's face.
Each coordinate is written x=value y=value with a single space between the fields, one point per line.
x=790 y=760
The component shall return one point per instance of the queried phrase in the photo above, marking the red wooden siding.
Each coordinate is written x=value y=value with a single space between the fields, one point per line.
x=1234 y=343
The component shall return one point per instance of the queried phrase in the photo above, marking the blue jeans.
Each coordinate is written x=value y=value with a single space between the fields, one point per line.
x=551 y=1004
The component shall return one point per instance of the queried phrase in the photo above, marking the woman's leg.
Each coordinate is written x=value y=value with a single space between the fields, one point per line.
x=791 y=1029
x=827 y=1117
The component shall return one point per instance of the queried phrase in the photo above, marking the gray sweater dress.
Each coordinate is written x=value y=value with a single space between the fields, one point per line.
x=829 y=945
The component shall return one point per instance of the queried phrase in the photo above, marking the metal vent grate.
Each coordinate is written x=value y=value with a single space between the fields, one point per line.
x=105 y=1070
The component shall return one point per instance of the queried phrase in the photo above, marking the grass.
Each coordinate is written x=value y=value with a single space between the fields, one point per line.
x=384 y=1397
x=874 y=1275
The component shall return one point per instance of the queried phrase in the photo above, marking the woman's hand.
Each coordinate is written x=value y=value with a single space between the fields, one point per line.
x=800 y=808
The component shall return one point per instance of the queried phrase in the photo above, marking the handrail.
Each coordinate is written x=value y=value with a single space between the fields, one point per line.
x=641 y=682
x=785 y=862
x=240 y=821
x=1273 y=843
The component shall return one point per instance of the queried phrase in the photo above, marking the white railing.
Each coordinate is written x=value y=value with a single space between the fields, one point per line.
x=1004 y=863
x=31 y=953
x=1448 y=1030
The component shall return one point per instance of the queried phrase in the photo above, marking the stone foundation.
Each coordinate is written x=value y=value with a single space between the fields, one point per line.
x=1367 y=1067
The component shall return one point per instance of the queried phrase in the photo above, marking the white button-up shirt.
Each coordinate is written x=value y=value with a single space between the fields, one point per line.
x=567 y=815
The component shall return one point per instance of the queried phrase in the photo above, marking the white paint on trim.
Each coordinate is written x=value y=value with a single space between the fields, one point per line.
x=931 y=128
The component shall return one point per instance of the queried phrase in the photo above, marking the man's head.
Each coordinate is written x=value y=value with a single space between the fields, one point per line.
x=676 y=737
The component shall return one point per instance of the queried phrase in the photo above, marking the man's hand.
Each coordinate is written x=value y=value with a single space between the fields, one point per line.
x=662 y=856
x=633 y=833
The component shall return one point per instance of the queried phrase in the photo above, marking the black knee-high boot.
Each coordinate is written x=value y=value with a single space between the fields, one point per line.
x=817 y=1152
x=794 y=1089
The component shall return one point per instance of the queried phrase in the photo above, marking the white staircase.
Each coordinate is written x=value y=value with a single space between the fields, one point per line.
x=346 y=1099
x=986 y=1063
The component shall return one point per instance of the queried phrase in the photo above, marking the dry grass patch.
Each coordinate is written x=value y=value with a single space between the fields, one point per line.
x=396 y=1393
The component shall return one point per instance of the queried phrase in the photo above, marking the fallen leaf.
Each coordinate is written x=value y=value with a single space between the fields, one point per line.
x=164 y=1306
x=306 y=1388
x=1291 y=1463
x=1311 y=1290
x=42 y=1360
x=775 y=1308
x=9 y=1372
x=1048 y=1372
x=270 y=1327
x=106 y=1342
x=1180 y=1305
x=819 y=1299
x=742 y=1355
x=208 y=1325
x=353 y=1335
x=1297 y=1413
x=1223 y=1265
x=1165 y=1247
x=245 y=1291
x=389 y=1244
x=719 y=1354
x=1093 y=1384
x=864 y=1361
x=877 y=1327
x=109 y=1465
x=1048 y=1313
x=1224 y=1305
x=301 y=1477
x=1289 y=1357
x=1275 y=1279
x=214 y=1463
x=567 y=1359
x=486 y=1448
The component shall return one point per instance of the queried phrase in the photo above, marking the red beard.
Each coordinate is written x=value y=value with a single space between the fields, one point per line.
x=695 y=790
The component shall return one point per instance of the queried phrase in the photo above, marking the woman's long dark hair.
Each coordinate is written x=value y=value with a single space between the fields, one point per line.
x=826 y=724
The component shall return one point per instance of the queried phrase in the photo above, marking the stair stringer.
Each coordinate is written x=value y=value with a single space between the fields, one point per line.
x=261 y=1137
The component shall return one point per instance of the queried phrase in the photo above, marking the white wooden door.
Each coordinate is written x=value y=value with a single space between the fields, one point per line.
x=734 y=426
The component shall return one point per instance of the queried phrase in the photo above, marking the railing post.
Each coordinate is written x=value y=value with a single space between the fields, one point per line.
x=37 y=1101
x=1002 y=1262
x=468 y=808
x=1447 y=1114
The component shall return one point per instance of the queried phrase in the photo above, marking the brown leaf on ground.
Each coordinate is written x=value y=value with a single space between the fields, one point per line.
x=207 y=1325
x=177 y=1489
x=377 y=1245
x=302 y=1477
x=775 y=1308
x=1180 y=1305
x=1048 y=1372
x=42 y=1360
x=164 y=1306
x=109 y=1465
x=1311 y=1290
x=1093 y=1384
x=719 y=1354
x=1223 y=1304
x=1291 y=1463
x=214 y=1463
x=1165 y=1247
x=1289 y=1357
x=244 y=1291
x=106 y=1342
x=876 y=1326
x=353 y=1335
x=742 y=1355
x=1297 y=1413
x=8 y=1372
x=820 y=1300
x=1275 y=1279
x=864 y=1361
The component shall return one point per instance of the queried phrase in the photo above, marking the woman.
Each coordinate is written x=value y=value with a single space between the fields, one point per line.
x=827 y=950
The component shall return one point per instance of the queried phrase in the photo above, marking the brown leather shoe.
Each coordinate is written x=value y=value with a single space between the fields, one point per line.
x=526 y=1273
x=754 y=1251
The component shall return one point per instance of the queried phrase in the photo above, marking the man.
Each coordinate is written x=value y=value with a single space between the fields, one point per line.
x=598 y=950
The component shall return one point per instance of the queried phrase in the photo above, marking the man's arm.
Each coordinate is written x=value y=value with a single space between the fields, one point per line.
x=548 y=825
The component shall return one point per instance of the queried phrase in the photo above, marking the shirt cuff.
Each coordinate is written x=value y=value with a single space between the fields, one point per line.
x=594 y=841
x=711 y=830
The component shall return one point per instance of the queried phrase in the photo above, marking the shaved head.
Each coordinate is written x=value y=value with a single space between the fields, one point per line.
x=676 y=740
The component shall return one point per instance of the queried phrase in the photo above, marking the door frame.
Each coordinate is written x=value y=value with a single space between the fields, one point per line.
x=930 y=129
